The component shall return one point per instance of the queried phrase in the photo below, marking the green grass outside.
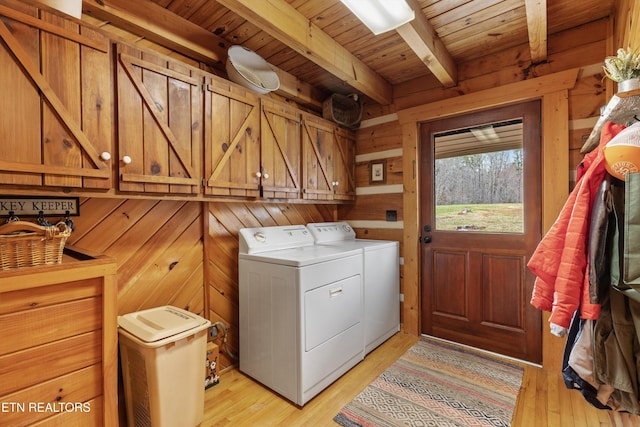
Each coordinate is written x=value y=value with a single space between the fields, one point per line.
x=493 y=218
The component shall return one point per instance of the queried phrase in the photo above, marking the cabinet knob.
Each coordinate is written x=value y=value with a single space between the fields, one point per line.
x=265 y=175
x=126 y=160
x=258 y=174
x=105 y=155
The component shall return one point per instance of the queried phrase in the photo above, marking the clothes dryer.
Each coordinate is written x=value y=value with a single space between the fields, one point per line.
x=381 y=278
x=301 y=310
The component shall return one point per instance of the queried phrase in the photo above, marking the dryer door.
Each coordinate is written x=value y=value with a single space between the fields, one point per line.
x=331 y=309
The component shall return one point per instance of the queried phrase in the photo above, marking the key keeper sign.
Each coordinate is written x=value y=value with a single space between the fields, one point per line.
x=13 y=207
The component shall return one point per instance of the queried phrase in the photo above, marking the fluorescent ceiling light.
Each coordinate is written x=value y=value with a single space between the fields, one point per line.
x=381 y=15
x=70 y=7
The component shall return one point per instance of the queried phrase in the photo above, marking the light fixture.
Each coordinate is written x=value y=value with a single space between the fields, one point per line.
x=381 y=15
x=70 y=7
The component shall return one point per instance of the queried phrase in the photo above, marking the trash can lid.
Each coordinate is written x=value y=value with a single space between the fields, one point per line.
x=159 y=323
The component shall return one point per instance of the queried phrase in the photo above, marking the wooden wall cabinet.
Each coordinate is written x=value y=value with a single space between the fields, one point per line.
x=160 y=129
x=231 y=139
x=328 y=160
x=344 y=164
x=56 y=103
x=252 y=144
x=280 y=150
x=58 y=353
x=180 y=131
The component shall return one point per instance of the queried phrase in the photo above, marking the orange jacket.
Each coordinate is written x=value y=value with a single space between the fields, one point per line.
x=560 y=260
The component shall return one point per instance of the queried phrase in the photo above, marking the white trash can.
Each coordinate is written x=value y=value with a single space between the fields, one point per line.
x=162 y=352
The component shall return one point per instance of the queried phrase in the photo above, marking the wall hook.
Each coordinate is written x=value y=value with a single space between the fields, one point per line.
x=42 y=220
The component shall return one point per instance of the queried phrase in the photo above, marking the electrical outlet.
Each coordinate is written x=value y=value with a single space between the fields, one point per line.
x=392 y=215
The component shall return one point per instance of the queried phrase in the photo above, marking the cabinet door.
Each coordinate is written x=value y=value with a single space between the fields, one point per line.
x=56 y=104
x=280 y=150
x=344 y=165
x=232 y=139
x=160 y=113
x=318 y=147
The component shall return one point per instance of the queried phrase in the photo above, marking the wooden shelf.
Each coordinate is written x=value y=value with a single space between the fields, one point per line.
x=622 y=108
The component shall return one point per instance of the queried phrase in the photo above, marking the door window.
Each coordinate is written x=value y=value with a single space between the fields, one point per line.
x=478 y=180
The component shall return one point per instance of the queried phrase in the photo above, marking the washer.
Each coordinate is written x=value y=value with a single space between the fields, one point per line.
x=301 y=310
x=381 y=278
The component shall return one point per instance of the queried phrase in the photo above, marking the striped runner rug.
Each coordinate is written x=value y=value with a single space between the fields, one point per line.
x=438 y=384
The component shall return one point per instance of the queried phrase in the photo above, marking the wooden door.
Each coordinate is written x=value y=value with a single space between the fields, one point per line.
x=344 y=165
x=481 y=219
x=56 y=101
x=160 y=115
x=318 y=146
x=232 y=139
x=280 y=150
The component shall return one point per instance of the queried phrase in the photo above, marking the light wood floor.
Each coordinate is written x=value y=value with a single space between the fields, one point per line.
x=237 y=400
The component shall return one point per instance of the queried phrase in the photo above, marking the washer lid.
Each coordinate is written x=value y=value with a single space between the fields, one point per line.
x=159 y=323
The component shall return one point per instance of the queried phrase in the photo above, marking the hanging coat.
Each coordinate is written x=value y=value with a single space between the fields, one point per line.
x=560 y=260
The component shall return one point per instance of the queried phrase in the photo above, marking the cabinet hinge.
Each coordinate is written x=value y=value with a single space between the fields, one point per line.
x=202 y=183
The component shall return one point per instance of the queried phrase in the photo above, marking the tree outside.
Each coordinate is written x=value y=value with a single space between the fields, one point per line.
x=480 y=192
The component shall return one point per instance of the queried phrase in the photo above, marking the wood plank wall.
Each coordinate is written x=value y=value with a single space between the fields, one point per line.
x=380 y=142
x=627 y=28
x=157 y=245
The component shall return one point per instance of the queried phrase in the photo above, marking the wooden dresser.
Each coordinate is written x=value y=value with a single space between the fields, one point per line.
x=58 y=343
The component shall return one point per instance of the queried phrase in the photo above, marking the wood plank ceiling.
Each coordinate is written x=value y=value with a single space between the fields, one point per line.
x=319 y=47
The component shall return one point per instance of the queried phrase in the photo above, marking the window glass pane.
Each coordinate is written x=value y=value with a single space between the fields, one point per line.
x=478 y=179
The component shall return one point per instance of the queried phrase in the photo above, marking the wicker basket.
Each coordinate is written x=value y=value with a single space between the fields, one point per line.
x=25 y=244
x=346 y=110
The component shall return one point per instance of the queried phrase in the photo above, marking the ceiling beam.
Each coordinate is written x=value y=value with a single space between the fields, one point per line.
x=153 y=22
x=537 y=26
x=282 y=21
x=421 y=37
x=159 y=25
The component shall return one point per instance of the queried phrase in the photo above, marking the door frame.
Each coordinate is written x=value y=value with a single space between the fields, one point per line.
x=553 y=91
